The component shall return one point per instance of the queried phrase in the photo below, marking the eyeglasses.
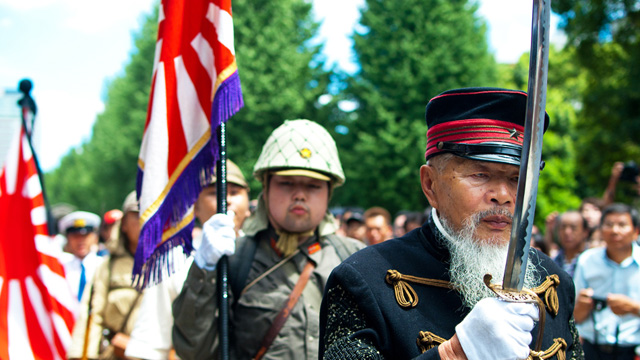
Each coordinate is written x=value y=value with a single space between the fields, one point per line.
x=621 y=226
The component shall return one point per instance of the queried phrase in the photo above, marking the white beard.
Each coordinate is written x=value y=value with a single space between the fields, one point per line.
x=472 y=258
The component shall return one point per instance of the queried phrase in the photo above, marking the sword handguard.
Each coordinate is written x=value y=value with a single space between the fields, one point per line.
x=523 y=296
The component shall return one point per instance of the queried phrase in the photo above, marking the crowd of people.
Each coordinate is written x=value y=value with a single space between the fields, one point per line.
x=307 y=281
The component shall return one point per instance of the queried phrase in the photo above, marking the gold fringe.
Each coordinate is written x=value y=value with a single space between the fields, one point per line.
x=428 y=340
x=558 y=348
x=548 y=293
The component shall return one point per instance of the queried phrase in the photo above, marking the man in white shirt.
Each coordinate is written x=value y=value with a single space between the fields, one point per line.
x=79 y=259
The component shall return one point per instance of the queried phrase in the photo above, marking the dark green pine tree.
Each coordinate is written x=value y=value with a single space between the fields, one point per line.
x=408 y=51
x=281 y=75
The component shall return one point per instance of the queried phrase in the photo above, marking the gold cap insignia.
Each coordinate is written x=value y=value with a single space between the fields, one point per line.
x=305 y=153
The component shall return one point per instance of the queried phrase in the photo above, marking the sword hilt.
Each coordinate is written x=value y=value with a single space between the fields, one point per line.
x=523 y=296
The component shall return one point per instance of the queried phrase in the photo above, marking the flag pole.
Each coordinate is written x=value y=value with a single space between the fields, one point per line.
x=28 y=107
x=223 y=263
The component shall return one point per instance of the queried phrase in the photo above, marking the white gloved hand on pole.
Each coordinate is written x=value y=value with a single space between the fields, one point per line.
x=496 y=329
x=218 y=239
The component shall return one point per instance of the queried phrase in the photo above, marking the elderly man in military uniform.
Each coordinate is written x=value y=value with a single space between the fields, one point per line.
x=281 y=264
x=422 y=295
x=80 y=259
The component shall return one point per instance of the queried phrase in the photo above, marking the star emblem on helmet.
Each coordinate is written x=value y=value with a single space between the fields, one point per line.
x=513 y=133
x=305 y=153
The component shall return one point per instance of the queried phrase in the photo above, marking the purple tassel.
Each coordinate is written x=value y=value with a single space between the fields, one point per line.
x=152 y=258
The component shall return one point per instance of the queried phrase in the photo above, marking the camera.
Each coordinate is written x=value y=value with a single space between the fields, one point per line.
x=630 y=172
x=599 y=303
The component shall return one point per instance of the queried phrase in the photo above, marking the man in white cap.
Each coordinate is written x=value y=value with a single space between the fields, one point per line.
x=80 y=259
x=289 y=249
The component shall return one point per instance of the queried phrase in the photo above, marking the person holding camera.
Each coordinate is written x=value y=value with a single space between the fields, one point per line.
x=607 y=281
x=628 y=172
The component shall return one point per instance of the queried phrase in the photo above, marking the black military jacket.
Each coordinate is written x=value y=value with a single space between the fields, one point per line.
x=361 y=317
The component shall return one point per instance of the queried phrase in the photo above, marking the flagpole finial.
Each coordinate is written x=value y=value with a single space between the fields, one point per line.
x=25 y=86
x=27 y=101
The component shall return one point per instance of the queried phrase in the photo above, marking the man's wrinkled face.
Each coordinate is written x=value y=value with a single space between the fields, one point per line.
x=297 y=203
x=480 y=192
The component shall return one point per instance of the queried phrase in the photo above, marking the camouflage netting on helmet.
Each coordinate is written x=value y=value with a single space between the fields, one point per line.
x=300 y=144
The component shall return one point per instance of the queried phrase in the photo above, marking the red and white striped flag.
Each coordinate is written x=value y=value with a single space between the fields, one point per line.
x=195 y=87
x=37 y=310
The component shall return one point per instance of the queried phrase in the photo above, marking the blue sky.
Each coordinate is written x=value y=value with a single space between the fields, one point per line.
x=70 y=49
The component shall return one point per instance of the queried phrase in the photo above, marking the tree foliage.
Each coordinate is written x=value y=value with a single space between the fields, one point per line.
x=558 y=188
x=605 y=35
x=280 y=70
x=408 y=51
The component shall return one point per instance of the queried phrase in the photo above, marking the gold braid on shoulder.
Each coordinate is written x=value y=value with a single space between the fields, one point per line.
x=547 y=291
x=408 y=298
x=405 y=295
x=558 y=349
x=428 y=340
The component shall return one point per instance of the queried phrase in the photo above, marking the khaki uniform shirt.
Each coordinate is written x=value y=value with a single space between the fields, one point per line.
x=112 y=299
x=195 y=334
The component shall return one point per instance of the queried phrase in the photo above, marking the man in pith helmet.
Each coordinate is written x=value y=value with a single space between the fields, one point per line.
x=279 y=268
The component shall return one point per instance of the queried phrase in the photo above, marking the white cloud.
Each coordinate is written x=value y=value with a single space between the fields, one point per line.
x=98 y=16
x=26 y=5
x=509 y=28
x=87 y=16
x=6 y=23
x=336 y=29
x=64 y=121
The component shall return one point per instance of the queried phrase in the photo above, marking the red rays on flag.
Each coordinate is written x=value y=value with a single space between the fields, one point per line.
x=195 y=88
x=36 y=306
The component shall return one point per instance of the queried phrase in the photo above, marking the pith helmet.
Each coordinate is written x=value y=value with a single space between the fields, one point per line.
x=300 y=147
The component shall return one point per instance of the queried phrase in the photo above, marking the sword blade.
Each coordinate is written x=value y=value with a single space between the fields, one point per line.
x=530 y=159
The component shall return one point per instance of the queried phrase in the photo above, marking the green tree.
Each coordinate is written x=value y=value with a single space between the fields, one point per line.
x=606 y=37
x=281 y=75
x=558 y=188
x=280 y=70
x=409 y=51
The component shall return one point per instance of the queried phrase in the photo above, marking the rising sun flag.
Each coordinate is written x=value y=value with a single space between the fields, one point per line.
x=195 y=87
x=37 y=310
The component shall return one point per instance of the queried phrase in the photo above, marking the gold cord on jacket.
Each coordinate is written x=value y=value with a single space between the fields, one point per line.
x=547 y=291
x=558 y=348
x=428 y=340
x=405 y=295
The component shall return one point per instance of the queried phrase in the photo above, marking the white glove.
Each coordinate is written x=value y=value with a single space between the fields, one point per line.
x=218 y=239
x=496 y=329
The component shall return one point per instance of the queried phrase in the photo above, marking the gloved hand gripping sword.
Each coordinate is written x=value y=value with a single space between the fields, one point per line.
x=530 y=166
